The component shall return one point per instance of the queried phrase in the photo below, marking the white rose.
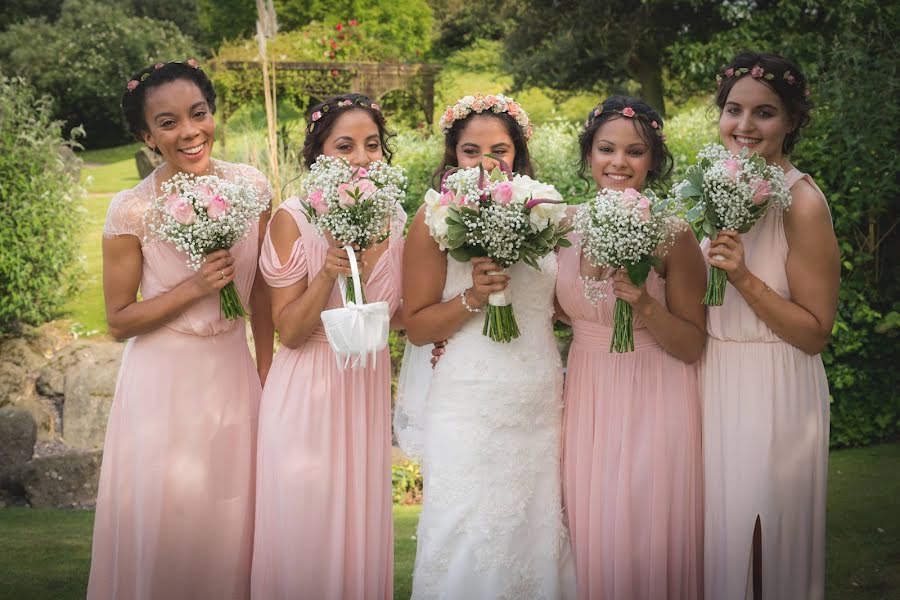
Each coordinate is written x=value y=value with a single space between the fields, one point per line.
x=436 y=219
x=543 y=215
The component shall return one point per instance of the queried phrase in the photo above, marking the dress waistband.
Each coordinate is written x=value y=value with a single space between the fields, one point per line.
x=592 y=336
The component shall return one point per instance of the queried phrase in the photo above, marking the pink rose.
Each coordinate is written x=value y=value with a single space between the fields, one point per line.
x=791 y=80
x=351 y=193
x=654 y=124
x=502 y=193
x=512 y=108
x=193 y=62
x=757 y=71
x=204 y=194
x=628 y=112
x=132 y=85
x=158 y=66
x=316 y=115
x=729 y=72
x=317 y=201
x=181 y=210
x=761 y=190
x=216 y=208
x=448 y=198
x=360 y=173
x=490 y=101
x=630 y=195
x=644 y=205
x=733 y=167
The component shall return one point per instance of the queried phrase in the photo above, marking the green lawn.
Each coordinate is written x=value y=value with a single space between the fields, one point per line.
x=46 y=553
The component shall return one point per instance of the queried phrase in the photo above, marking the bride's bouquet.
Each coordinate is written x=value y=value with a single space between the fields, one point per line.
x=729 y=192
x=503 y=216
x=624 y=229
x=204 y=214
x=355 y=204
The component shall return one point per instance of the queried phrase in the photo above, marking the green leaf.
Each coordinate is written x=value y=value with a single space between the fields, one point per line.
x=638 y=272
x=709 y=229
x=695 y=213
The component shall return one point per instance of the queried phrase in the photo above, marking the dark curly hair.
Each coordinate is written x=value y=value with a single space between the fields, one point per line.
x=521 y=163
x=317 y=131
x=149 y=77
x=644 y=117
x=787 y=81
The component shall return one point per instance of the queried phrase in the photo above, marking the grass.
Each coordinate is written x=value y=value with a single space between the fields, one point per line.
x=87 y=309
x=47 y=552
x=110 y=170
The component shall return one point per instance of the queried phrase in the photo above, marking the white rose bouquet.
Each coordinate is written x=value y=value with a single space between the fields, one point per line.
x=503 y=216
x=625 y=229
x=204 y=214
x=729 y=192
x=355 y=204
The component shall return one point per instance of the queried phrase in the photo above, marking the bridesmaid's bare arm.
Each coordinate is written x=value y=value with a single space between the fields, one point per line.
x=261 y=314
x=681 y=328
x=122 y=270
x=812 y=268
x=424 y=274
x=296 y=309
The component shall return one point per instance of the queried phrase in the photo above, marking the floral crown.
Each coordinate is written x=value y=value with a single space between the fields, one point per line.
x=627 y=112
x=344 y=103
x=757 y=72
x=497 y=103
x=134 y=83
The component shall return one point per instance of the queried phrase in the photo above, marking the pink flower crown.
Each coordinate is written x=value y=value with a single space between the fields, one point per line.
x=757 y=72
x=363 y=102
x=134 y=83
x=629 y=113
x=497 y=103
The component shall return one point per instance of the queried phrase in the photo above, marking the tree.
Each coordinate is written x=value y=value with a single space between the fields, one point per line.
x=574 y=44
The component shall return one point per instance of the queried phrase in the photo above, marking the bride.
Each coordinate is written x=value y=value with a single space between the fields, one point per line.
x=491 y=523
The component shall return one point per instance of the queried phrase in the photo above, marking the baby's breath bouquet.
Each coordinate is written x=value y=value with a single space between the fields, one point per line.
x=503 y=216
x=204 y=214
x=624 y=229
x=729 y=192
x=355 y=204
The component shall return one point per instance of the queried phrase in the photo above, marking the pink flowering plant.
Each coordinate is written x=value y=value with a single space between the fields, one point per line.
x=627 y=229
x=724 y=191
x=203 y=214
x=353 y=204
x=501 y=215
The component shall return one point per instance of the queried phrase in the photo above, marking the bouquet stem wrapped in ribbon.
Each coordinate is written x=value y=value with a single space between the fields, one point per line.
x=204 y=214
x=353 y=204
x=501 y=215
x=725 y=191
x=624 y=229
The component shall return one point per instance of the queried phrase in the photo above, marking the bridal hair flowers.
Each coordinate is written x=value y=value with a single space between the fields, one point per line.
x=340 y=104
x=757 y=72
x=495 y=103
x=627 y=112
x=134 y=83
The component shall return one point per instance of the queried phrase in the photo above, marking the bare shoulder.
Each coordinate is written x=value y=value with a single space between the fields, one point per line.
x=284 y=232
x=807 y=206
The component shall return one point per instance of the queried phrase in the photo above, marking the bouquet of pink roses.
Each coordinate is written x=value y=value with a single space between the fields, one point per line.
x=204 y=214
x=729 y=192
x=624 y=229
x=355 y=204
x=503 y=216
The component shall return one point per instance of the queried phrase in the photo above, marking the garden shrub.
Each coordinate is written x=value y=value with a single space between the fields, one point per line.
x=40 y=211
x=406 y=480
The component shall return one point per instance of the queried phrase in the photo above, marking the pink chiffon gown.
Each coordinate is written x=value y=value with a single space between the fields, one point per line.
x=175 y=503
x=632 y=477
x=324 y=515
x=765 y=439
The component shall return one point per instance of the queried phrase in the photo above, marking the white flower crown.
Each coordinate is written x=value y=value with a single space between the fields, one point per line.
x=496 y=103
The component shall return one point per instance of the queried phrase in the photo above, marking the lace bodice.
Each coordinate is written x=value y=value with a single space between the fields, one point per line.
x=165 y=267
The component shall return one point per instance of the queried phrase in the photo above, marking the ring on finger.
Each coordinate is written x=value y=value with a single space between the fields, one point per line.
x=222 y=274
x=717 y=257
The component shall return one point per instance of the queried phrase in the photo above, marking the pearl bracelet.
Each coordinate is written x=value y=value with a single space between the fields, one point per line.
x=462 y=298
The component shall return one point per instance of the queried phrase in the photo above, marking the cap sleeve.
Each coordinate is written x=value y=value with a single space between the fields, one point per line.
x=276 y=273
x=125 y=215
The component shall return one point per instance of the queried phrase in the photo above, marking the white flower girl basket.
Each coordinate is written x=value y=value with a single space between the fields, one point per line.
x=357 y=330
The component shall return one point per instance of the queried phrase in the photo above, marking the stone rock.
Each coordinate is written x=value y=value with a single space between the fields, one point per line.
x=63 y=481
x=18 y=362
x=146 y=161
x=89 y=386
x=18 y=434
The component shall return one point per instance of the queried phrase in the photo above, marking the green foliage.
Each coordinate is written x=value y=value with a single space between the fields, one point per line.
x=87 y=79
x=406 y=480
x=41 y=216
x=226 y=19
x=554 y=153
x=419 y=154
x=14 y=12
x=459 y=25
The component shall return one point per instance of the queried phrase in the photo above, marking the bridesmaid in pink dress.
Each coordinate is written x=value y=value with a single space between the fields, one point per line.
x=632 y=478
x=323 y=516
x=765 y=396
x=175 y=504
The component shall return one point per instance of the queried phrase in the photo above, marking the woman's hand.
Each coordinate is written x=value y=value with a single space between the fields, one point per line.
x=634 y=295
x=337 y=263
x=483 y=285
x=216 y=272
x=436 y=352
x=727 y=253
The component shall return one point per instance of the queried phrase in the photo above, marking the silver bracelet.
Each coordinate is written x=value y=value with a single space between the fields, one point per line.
x=462 y=298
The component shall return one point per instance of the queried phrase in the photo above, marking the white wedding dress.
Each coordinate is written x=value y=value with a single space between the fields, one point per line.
x=492 y=524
